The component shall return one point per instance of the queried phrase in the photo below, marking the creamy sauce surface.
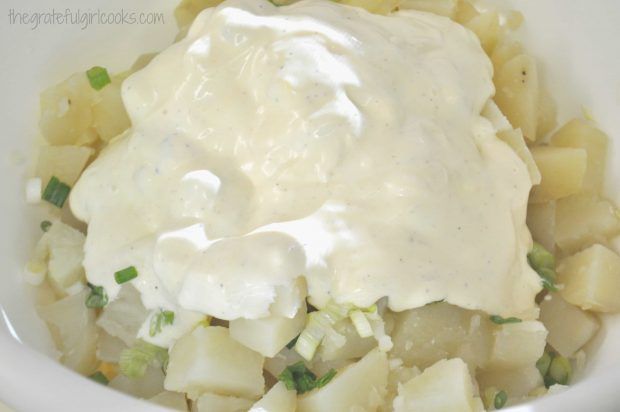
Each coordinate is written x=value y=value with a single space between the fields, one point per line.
x=311 y=149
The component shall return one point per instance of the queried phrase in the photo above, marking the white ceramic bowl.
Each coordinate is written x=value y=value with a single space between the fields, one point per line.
x=576 y=41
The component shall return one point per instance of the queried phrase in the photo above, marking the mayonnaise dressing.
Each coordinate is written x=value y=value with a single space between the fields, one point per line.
x=315 y=142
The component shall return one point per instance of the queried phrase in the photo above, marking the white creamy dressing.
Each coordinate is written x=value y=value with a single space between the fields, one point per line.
x=315 y=142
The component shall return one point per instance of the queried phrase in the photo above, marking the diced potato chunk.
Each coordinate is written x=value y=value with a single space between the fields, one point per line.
x=267 y=336
x=441 y=7
x=591 y=279
x=66 y=110
x=72 y=325
x=445 y=386
x=516 y=84
x=64 y=162
x=505 y=51
x=486 y=27
x=514 y=139
x=465 y=11
x=209 y=360
x=360 y=386
x=541 y=222
x=145 y=387
x=66 y=253
x=583 y=220
x=109 y=347
x=569 y=327
x=518 y=344
x=109 y=115
x=547 y=113
x=354 y=346
x=171 y=400
x=278 y=363
x=516 y=382
x=211 y=402
x=278 y=399
x=124 y=316
x=562 y=170
x=581 y=134
x=433 y=332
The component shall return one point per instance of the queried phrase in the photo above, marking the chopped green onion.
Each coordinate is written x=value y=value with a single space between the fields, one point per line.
x=543 y=364
x=99 y=378
x=337 y=312
x=125 y=275
x=292 y=343
x=45 y=225
x=361 y=323
x=500 y=399
x=98 y=298
x=98 y=77
x=134 y=361
x=501 y=321
x=163 y=318
x=56 y=192
x=310 y=338
x=539 y=257
x=301 y=379
x=548 y=279
x=560 y=370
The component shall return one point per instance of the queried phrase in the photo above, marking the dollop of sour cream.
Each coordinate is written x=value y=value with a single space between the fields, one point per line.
x=318 y=149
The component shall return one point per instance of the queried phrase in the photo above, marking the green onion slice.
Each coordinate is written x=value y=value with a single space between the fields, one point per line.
x=158 y=321
x=500 y=399
x=98 y=77
x=501 y=321
x=134 y=361
x=56 y=192
x=99 y=378
x=98 y=298
x=560 y=370
x=543 y=363
x=301 y=379
x=45 y=225
x=125 y=275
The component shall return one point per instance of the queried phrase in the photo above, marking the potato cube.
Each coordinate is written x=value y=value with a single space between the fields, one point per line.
x=583 y=220
x=505 y=50
x=66 y=253
x=516 y=84
x=209 y=360
x=581 y=134
x=465 y=11
x=171 y=400
x=591 y=279
x=354 y=346
x=445 y=386
x=541 y=222
x=73 y=328
x=109 y=115
x=278 y=399
x=66 y=110
x=211 y=402
x=514 y=139
x=123 y=317
x=547 y=113
x=562 y=170
x=64 y=162
x=516 y=382
x=445 y=8
x=144 y=387
x=267 y=336
x=569 y=327
x=486 y=27
x=517 y=344
x=433 y=332
x=360 y=386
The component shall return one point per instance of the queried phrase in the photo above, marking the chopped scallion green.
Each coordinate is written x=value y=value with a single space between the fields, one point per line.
x=45 y=225
x=292 y=343
x=543 y=363
x=98 y=77
x=56 y=192
x=163 y=318
x=325 y=379
x=543 y=262
x=500 y=399
x=501 y=321
x=98 y=298
x=99 y=377
x=560 y=370
x=301 y=379
x=134 y=361
x=125 y=275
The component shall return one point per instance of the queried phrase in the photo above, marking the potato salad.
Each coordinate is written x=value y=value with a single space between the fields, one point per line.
x=352 y=205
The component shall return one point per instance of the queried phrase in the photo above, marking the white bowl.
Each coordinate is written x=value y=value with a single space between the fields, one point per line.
x=576 y=41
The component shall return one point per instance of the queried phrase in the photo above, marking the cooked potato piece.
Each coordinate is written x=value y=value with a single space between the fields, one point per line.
x=496 y=117
x=465 y=11
x=516 y=84
x=73 y=328
x=124 y=316
x=145 y=387
x=591 y=279
x=66 y=110
x=353 y=347
x=267 y=336
x=278 y=363
x=445 y=386
x=187 y=10
x=486 y=27
x=433 y=332
x=109 y=347
x=517 y=345
x=583 y=220
x=547 y=114
x=516 y=382
x=581 y=134
x=360 y=386
x=209 y=360
x=504 y=51
x=514 y=139
x=171 y=400
x=562 y=170
x=66 y=253
x=541 y=222
x=278 y=399
x=399 y=375
x=211 y=402
x=64 y=162
x=569 y=327
x=109 y=115
x=441 y=7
